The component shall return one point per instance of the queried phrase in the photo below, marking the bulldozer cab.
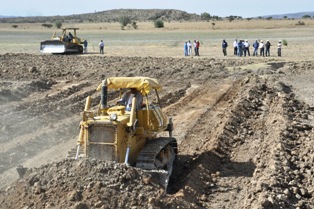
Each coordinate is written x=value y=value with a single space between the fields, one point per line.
x=146 y=89
x=68 y=35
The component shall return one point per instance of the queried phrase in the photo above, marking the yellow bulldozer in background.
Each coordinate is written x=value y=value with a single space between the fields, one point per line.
x=129 y=134
x=66 y=43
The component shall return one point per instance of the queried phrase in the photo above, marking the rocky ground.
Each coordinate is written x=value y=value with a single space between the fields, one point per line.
x=244 y=128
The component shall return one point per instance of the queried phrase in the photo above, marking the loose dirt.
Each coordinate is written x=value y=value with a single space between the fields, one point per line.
x=244 y=129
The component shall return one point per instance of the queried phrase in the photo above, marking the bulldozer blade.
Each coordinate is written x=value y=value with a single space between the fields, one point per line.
x=160 y=177
x=55 y=47
x=21 y=170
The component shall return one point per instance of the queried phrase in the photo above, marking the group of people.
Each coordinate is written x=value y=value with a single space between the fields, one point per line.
x=188 y=48
x=242 y=48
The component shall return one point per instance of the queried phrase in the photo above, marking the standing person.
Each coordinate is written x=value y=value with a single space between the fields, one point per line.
x=194 y=45
x=246 y=48
x=101 y=47
x=255 y=46
x=261 y=48
x=185 y=49
x=189 y=48
x=197 y=48
x=85 y=46
x=224 y=46
x=235 y=47
x=279 y=46
x=267 y=46
x=240 y=48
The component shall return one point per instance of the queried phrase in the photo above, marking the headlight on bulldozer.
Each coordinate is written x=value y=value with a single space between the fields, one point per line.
x=113 y=117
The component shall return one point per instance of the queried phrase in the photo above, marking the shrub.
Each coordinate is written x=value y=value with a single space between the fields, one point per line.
x=58 y=24
x=205 y=16
x=15 y=26
x=47 y=25
x=159 y=24
x=300 y=23
x=284 y=42
x=230 y=18
x=213 y=25
x=124 y=20
x=134 y=25
x=306 y=17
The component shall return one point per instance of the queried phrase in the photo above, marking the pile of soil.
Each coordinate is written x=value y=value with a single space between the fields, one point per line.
x=244 y=130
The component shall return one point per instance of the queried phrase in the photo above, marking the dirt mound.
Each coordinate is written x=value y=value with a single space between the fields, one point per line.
x=87 y=184
x=244 y=130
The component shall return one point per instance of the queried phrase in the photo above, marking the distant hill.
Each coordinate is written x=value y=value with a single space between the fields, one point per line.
x=291 y=15
x=140 y=15
x=1 y=16
x=112 y=16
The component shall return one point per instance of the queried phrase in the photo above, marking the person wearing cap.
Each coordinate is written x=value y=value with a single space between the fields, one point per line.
x=267 y=46
x=255 y=46
x=127 y=97
x=224 y=46
x=279 y=46
x=261 y=48
x=246 y=45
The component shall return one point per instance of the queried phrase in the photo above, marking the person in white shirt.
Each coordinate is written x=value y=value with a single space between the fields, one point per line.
x=189 y=48
x=101 y=47
x=235 y=47
x=279 y=46
x=261 y=48
x=246 y=48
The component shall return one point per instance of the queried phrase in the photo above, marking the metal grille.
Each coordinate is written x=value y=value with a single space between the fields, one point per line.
x=99 y=135
x=103 y=152
x=102 y=134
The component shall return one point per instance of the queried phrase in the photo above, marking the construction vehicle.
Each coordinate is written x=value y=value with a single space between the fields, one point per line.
x=130 y=136
x=66 y=43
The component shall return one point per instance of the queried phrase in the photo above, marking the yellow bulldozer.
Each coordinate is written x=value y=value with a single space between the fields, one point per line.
x=66 y=43
x=129 y=134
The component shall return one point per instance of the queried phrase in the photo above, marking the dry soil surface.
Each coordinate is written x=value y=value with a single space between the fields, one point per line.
x=244 y=128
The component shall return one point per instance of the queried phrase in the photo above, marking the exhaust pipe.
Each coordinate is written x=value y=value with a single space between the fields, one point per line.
x=103 y=96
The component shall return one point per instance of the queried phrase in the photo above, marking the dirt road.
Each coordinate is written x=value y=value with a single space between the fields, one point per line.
x=244 y=127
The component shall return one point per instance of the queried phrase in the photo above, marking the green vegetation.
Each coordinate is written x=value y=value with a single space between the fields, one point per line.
x=284 y=42
x=15 y=26
x=306 y=17
x=159 y=24
x=58 y=24
x=124 y=20
x=205 y=16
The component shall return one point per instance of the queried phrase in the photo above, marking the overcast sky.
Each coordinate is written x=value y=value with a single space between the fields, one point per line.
x=221 y=8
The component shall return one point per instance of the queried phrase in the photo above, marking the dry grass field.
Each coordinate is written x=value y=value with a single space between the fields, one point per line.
x=168 y=41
